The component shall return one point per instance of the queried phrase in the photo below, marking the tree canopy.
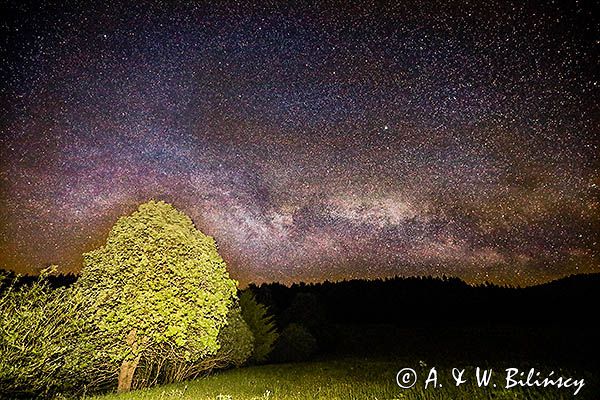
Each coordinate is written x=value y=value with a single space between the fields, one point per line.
x=157 y=287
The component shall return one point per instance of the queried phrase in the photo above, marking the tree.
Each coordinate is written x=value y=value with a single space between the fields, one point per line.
x=158 y=283
x=261 y=324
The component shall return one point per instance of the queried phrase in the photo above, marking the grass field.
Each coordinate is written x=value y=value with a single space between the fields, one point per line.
x=350 y=378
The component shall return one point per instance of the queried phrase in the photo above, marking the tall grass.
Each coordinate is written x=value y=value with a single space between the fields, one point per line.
x=332 y=379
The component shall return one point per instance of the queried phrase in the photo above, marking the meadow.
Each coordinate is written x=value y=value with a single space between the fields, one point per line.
x=341 y=378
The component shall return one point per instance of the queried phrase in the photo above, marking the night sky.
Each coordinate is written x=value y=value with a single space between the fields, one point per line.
x=329 y=141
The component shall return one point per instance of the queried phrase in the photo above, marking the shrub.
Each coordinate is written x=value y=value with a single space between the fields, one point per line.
x=261 y=324
x=237 y=341
x=307 y=310
x=295 y=343
x=39 y=333
x=157 y=290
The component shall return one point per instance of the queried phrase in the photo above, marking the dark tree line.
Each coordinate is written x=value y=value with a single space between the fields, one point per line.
x=436 y=301
x=443 y=317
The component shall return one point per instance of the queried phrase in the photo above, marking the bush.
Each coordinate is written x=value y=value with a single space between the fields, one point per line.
x=261 y=324
x=157 y=291
x=237 y=341
x=295 y=343
x=306 y=309
x=39 y=332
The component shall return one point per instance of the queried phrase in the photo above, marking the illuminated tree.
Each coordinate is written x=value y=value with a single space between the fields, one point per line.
x=158 y=283
x=236 y=345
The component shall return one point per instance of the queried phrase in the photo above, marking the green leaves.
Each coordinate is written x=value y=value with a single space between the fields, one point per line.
x=40 y=334
x=157 y=291
x=157 y=273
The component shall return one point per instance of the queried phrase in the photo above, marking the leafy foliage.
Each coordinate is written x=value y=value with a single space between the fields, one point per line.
x=157 y=289
x=236 y=339
x=236 y=345
x=39 y=339
x=296 y=343
x=261 y=324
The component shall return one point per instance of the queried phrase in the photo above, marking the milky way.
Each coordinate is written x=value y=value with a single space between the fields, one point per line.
x=313 y=142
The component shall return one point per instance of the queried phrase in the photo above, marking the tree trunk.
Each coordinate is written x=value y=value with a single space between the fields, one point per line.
x=128 y=366
x=126 y=374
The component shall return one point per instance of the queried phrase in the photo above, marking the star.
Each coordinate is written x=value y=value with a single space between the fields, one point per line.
x=313 y=143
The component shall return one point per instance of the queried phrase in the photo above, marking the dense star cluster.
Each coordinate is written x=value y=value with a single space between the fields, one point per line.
x=324 y=141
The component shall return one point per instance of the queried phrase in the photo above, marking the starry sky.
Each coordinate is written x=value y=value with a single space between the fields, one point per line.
x=331 y=140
